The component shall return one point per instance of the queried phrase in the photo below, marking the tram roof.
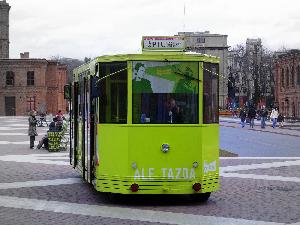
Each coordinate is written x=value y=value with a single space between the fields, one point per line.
x=148 y=55
x=159 y=55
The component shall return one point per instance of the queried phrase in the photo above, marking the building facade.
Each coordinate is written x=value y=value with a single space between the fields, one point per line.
x=287 y=83
x=4 y=29
x=215 y=45
x=28 y=84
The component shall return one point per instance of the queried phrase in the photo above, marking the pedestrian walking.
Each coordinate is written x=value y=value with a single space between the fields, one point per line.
x=251 y=116
x=263 y=116
x=280 y=120
x=32 y=128
x=274 y=116
x=243 y=116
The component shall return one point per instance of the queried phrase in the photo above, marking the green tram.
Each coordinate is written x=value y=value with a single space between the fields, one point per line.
x=147 y=123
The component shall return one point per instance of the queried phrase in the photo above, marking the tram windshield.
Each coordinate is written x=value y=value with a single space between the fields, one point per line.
x=165 y=92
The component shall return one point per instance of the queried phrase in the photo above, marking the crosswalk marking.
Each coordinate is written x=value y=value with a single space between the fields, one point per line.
x=18 y=134
x=39 y=158
x=123 y=213
x=40 y=183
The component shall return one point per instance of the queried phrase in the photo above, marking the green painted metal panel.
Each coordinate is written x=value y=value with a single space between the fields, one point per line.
x=132 y=154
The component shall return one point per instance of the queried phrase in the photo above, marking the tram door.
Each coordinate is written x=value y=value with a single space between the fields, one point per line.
x=74 y=125
x=88 y=131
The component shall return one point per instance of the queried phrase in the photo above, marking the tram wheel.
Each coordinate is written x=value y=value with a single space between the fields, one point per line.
x=113 y=197
x=203 y=197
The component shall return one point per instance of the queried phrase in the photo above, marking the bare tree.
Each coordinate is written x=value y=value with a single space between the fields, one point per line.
x=70 y=62
x=252 y=72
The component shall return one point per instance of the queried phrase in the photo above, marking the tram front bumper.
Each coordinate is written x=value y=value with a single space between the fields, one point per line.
x=157 y=186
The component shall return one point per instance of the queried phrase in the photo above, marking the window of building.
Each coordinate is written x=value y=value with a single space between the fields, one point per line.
x=165 y=92
x=210 y=93
x=298 y=75
x=292 y=77
x=287 y=77
x=113 y=96
x=282 y=78
x=200 y=40
x=30 y=103
x=30 y=78
x=10 y=78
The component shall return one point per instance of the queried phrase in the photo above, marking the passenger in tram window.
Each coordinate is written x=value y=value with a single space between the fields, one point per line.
x=174 y=112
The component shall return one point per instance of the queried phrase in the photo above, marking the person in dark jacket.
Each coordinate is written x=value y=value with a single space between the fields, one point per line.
x=52 y=125
x=174 y=114
x=251 y=115
x=243 y=116
x=280 y=120
x=263 y=116
x=52 y=128
x=32 y=128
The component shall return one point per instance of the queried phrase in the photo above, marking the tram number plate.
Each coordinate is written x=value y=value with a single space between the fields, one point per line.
x=169 y=173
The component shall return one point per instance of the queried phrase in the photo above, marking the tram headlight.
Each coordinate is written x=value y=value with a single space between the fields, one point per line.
x=165 y=148
x=195 y=165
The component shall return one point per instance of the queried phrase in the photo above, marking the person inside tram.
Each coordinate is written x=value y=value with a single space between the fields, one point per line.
x=174 y=114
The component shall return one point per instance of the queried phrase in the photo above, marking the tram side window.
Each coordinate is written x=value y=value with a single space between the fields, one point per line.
x=210 y=93
x=113 y=92
x=165 y=92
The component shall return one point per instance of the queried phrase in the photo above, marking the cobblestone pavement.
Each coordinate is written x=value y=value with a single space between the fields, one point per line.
x=37 y=187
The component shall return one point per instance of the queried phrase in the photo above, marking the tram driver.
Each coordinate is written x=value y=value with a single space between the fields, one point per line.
x=174 y=113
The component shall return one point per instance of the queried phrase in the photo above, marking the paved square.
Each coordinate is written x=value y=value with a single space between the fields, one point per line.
x=37 y=187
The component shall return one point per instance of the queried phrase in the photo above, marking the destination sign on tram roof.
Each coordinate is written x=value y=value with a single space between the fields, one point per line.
x=163 y=43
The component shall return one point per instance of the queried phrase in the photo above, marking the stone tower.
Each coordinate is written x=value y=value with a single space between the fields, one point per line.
x=4 y=29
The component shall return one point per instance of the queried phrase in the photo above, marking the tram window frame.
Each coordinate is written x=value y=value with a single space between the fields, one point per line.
x=155 y=107
x=210 y=93
x=113 y=102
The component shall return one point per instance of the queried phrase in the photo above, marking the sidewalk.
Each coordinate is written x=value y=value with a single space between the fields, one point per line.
x=292 y=129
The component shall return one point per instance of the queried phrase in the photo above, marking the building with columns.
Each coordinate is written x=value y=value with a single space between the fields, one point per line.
x=287 y=83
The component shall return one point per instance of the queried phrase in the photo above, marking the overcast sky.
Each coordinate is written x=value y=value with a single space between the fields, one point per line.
x=79 y=28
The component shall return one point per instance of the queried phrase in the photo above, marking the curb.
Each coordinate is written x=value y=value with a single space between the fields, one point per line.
x=266 y=131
